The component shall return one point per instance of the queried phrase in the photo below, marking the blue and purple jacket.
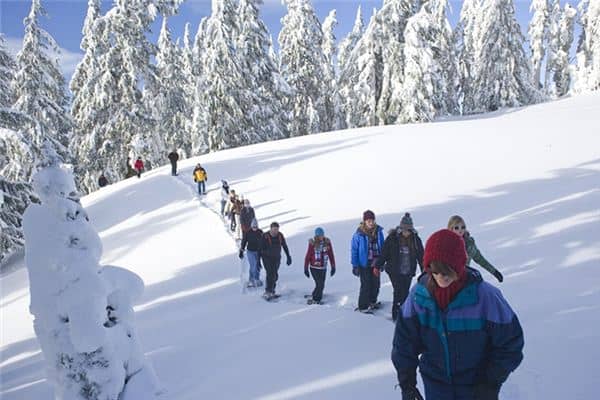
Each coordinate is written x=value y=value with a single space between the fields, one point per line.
x=477 y=339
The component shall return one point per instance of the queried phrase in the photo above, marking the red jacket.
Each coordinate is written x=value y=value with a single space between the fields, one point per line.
x=318 y=255
x=139 y=165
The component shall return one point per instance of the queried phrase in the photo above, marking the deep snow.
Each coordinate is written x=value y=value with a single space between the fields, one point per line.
x=526 y=180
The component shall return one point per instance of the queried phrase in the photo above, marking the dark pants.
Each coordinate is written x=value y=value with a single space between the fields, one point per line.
x=139 y=173
x=369 y=288
x=223 y=203
x=443 y=391
x=173 y=168
x=201 y=187
x=233 y=221
x=319 y=277
x=271 y=268
x=401 y=285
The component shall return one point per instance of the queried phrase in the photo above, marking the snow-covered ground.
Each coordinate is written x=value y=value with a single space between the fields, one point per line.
x=526 y=180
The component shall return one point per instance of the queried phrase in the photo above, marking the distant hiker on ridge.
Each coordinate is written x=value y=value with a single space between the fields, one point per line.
x=458 y=226
x=173 y=158
x=366 y=246
x=139 y=166
x=272 y=243
x=318 y=255
x=102 y=181
x=200 y=177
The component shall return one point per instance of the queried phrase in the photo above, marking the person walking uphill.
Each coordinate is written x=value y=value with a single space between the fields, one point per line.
x=318 y=255
x=366 y=246
x=402 y=251
x=458 y=226
x=139 y=166
x=246 y=216
x=272 y=243
x=173 y=158
x=252 y=239
x=456 y=328
x=102 y=181
x=224 y=196
x=200 y=177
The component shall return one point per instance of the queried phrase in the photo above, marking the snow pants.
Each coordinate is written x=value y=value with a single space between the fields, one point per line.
x=271 y=268
x=253 y=263
x=318 y=275
x=201 y=187
x=369 y=288
x=401 y=285
x=173 y=168
x=223 y=203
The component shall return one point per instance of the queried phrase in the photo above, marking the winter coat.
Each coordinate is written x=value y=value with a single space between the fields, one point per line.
x=474 y=254
x=224 y=193
x=139 y=165
x=252 y=239
x=271 y=246
x=477 y=340
x=173 y=157
x=319 y=254
x=391 y=257
x=235 y=205
x=200 y=174
x=359 y=253
x=246 y=216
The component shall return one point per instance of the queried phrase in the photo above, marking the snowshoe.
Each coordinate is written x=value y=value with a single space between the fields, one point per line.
x=368 y=310
x=375 y=306
x=311 y=302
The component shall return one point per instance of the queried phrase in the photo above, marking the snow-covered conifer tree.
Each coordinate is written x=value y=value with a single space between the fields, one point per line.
x=302 y=64
x=561 y=31
x=538 y=36
x=332 y=100
x=588 y=51
x=466 y=35
x=83 y=312
x=501 y=75
x=350 y=41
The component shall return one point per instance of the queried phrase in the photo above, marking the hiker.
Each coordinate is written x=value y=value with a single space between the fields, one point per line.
x=102 y=181
x=139 y=167
x=272 y=243
x=457 y=329
x=366 y=246
x=234 y=210
x=458 y=226
x=246 y=216
x=200 y=177
x=253 y=239
x=224 y=196
x=173 y=158
x=130 y=171
x=401 y=252
x=318 y=255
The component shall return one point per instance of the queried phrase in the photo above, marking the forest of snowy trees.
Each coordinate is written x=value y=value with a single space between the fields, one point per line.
x=227 y=86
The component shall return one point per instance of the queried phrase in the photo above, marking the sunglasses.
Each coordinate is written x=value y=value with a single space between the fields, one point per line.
x=461 y=227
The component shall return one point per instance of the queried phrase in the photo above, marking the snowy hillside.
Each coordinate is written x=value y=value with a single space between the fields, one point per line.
x=526 y=180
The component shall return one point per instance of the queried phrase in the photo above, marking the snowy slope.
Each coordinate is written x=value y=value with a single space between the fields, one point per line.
x=526 y=180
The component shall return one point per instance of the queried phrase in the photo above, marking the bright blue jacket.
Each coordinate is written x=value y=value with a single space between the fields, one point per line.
x=359 y=248
x=477 y=339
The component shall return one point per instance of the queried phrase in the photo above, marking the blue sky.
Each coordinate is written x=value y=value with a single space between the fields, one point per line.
x=65 y=19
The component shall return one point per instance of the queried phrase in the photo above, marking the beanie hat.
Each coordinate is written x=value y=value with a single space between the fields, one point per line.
x=319 y=232
x=276 y=225
x=254 y=223
x=407 y=223
x=368 y=215
x=447 y=247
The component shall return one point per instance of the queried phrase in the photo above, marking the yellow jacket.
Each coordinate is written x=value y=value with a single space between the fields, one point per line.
x=200 y=175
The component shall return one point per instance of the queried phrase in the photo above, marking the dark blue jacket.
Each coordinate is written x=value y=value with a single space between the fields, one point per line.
x=478 y=339
x=359 y=248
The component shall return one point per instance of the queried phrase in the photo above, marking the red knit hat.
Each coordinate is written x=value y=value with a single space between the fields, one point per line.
x=447 y=247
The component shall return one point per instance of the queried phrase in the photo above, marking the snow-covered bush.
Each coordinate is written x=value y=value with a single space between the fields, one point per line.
x=83 y=311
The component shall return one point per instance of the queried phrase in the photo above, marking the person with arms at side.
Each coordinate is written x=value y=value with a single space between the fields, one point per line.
x=173 y=158
x=252 y=239
x=273 y=242
x=318 y=256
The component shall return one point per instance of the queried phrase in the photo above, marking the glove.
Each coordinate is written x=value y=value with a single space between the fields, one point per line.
x=411 y=394
x=241 y=254
x=376 y=272
x=289 y=261
x=306 y=273
x=332 y=271
x=486 y=391
x=355 y=271
x=498 y=275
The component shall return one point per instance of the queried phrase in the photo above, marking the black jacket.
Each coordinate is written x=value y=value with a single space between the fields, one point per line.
x=253 y=239
x=173 y=157
x=271 y=246
x=246 y=216
x=102 y=181
x=390 y=254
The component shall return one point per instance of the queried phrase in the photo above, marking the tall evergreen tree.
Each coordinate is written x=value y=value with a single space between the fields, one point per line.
x=466 y=35
x=350 y=41
x=7 y=74
x=538 y=36
x=502 y=75
x=332 y=101
x=302 y=65
x=561 y=30
x=39 y=86
x=588 y=51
